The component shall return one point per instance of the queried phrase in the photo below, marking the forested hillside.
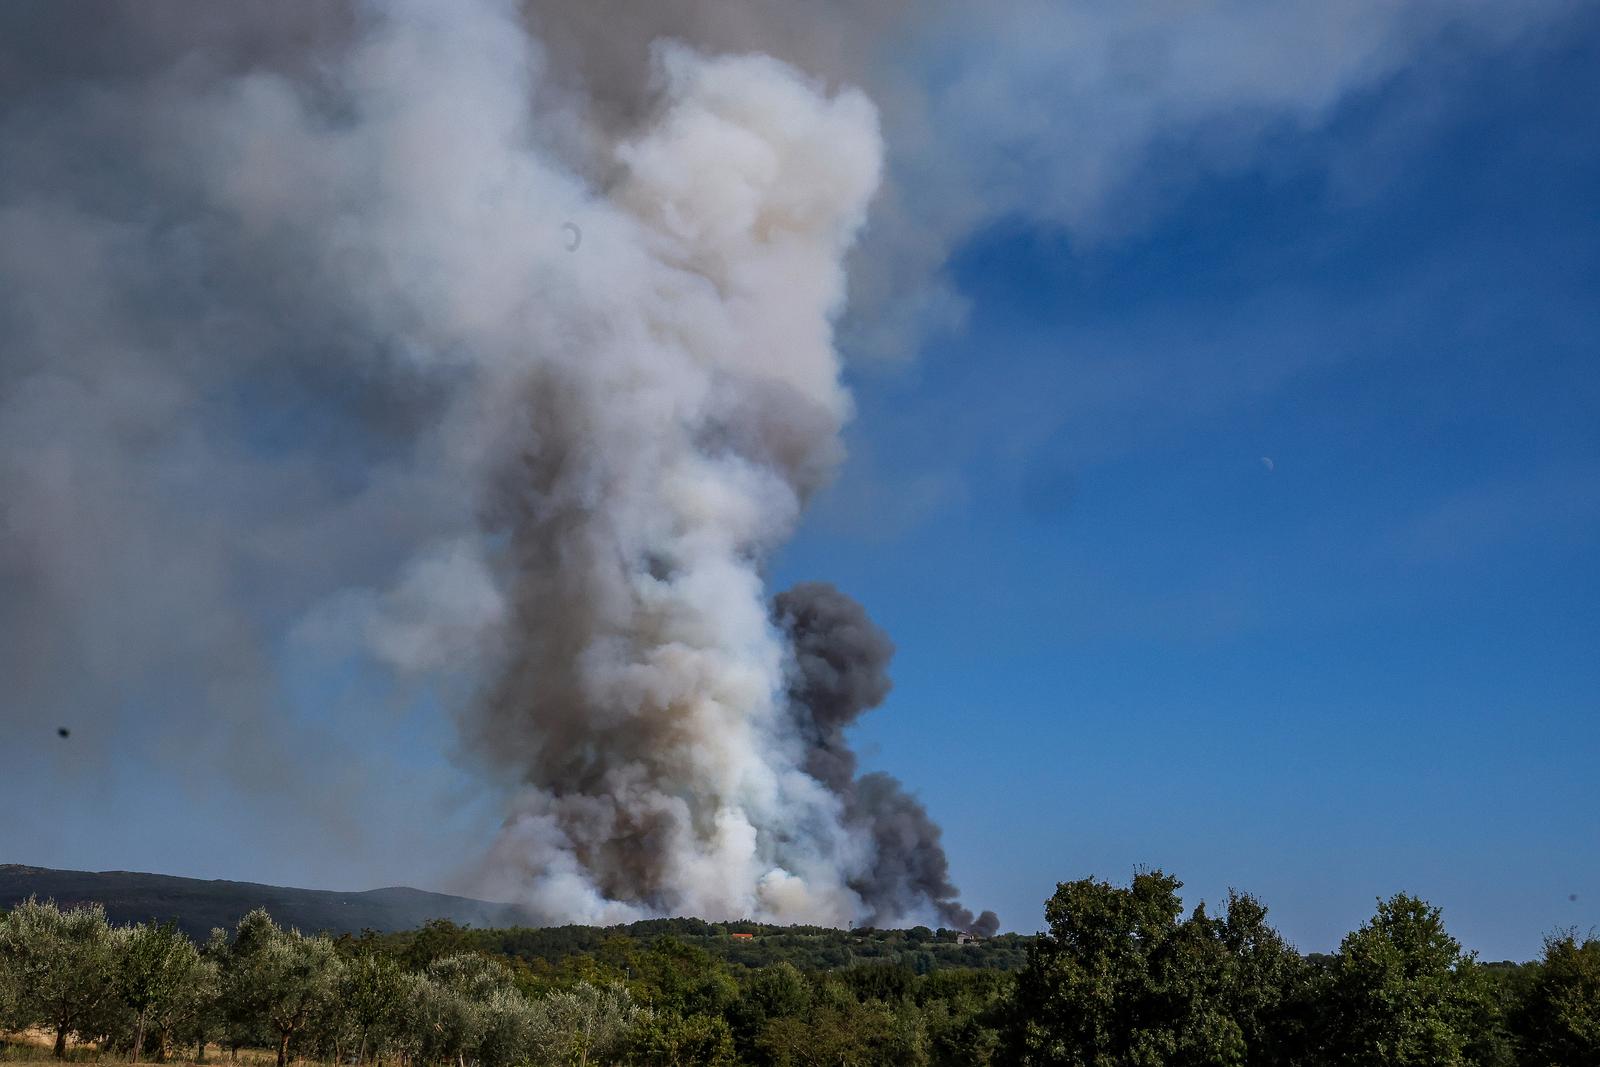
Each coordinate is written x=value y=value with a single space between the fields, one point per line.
x=198 y=905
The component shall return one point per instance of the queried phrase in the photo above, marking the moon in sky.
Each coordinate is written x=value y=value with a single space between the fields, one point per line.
x=574 y=235
x=1266 y=461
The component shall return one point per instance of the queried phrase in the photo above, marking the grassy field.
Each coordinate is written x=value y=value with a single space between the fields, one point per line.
x=34 y=1048
x=13 y=1054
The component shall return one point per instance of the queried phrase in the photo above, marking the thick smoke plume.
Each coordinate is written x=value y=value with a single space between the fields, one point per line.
x=647 y=469
x=342 y=231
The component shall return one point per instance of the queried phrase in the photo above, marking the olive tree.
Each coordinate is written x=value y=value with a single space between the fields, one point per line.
x=471 y=975
x=195 y=1013
x=62 y=968
x=372 y=995
x=441 y=1025
x=583 y=1023
x=277 y=982
x=507 y=1028
x=159 y=978
x=10 y=988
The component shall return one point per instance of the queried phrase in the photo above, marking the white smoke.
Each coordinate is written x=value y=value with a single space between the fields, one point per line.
x=676 y=440
x=644 y=418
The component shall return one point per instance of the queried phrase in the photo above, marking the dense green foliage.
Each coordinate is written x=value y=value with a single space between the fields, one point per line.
x=1123 y=979
x=1122 y=976
x=807 y=947
x=1400 y=991
x=1558 y=1018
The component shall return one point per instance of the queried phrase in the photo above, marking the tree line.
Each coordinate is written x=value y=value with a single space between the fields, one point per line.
x=809 y=948
x=1122 y=976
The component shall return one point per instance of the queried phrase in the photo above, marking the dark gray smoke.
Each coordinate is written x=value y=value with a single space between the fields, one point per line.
x=910 y=871
x=840 y=670
x=601 y=48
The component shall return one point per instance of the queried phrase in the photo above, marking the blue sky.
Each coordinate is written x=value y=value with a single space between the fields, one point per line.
x=1125 y=640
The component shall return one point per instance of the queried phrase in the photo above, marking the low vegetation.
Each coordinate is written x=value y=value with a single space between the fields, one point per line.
x=1121 y=977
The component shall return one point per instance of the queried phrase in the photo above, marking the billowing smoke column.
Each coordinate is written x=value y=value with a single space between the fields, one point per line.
x=651 y=419
x=642 y=694
x=322 y=355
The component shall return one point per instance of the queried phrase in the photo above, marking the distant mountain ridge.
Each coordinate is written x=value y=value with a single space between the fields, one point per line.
x=197 y=905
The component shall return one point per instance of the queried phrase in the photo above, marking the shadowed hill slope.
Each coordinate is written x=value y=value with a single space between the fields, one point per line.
x=197 y=905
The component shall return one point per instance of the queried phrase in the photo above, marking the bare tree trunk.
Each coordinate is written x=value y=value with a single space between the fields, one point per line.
x=138 y=1039
x=283 y=1050
x=61 y=1042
